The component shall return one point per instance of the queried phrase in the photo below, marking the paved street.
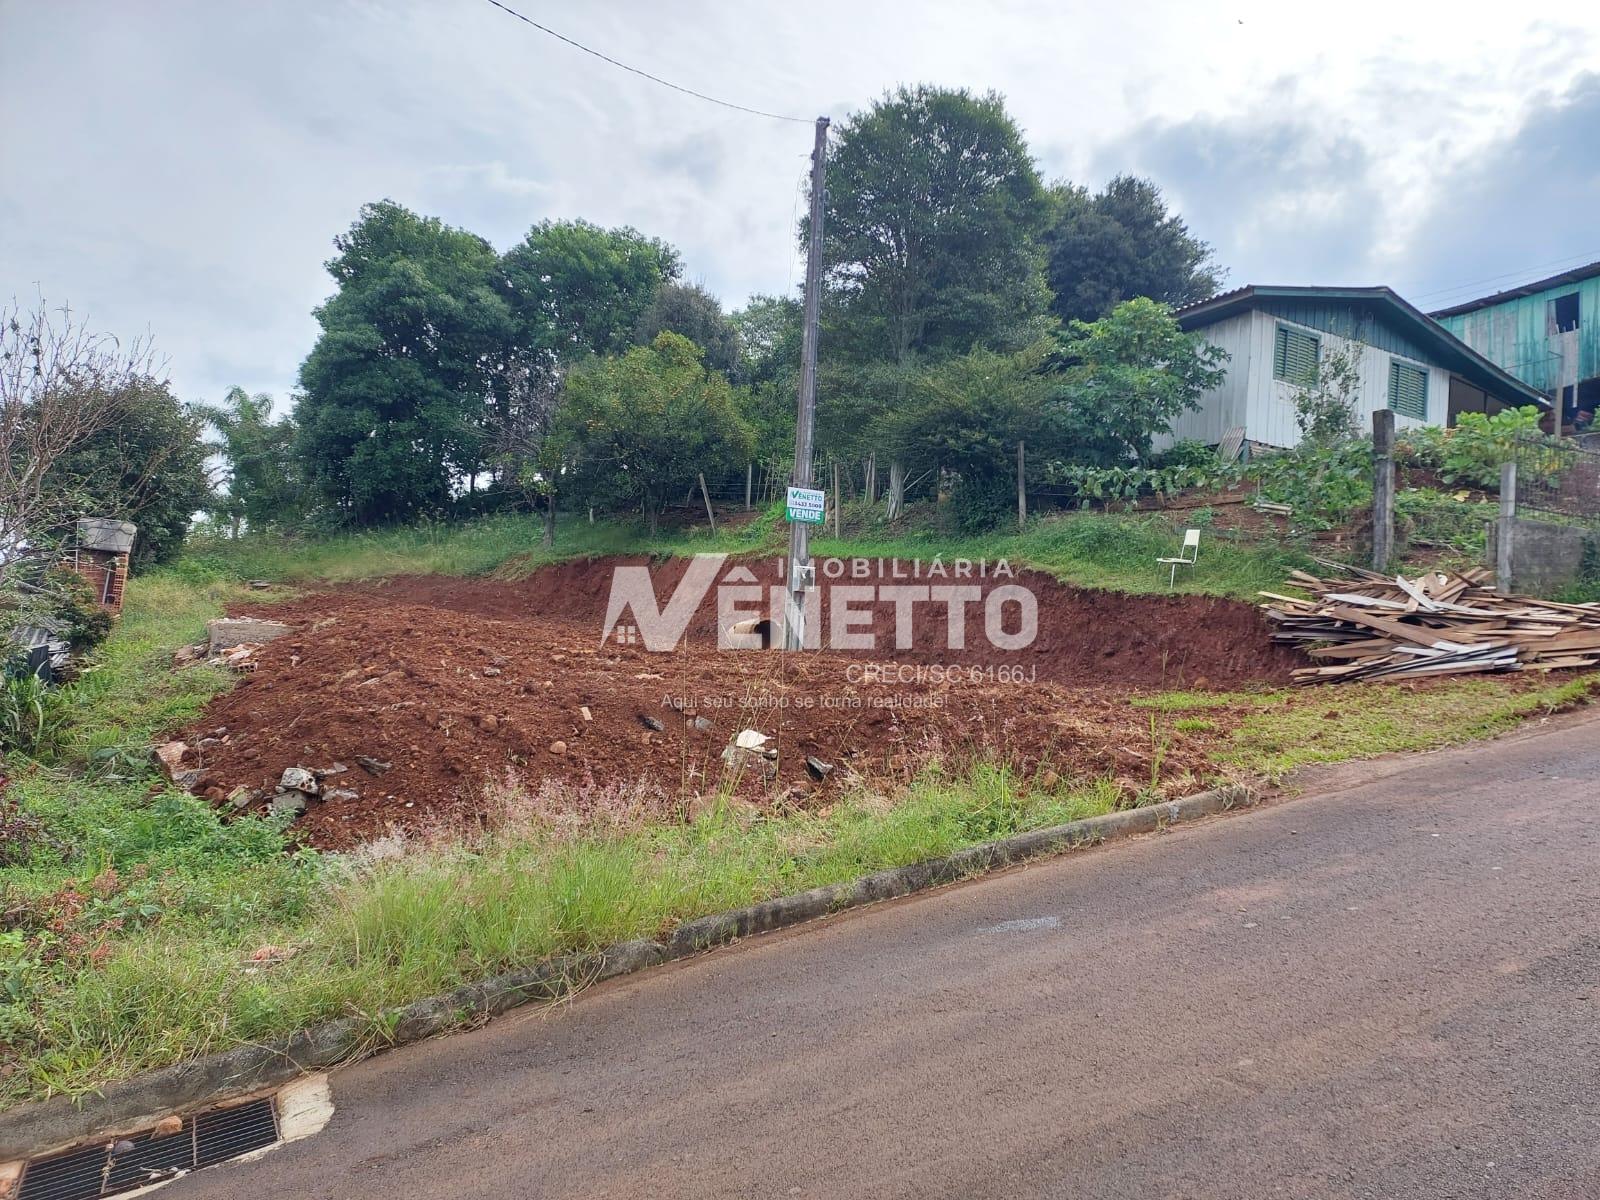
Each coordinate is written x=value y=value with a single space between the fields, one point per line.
x=1389 y=988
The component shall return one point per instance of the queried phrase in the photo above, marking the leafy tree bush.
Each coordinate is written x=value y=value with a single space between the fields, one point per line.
x=637 y=428
x=1325 y=405
x=147 y=465
x=1125 y=378
x=1120 y=243
x=1473 y=451
x=691 y=311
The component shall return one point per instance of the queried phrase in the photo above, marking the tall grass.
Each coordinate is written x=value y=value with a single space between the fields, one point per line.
x=357 y=936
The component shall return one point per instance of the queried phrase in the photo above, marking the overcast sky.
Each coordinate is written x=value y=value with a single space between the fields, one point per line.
x=182 y=167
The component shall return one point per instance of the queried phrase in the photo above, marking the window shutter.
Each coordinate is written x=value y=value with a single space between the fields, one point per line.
x=1408 y=390
x=1294 y=356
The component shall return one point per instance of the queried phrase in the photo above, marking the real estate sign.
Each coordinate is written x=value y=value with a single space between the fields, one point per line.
x=805 y=505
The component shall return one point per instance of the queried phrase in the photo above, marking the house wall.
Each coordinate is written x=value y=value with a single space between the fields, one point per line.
x=1222 y=407
x=1515 y=335
x=1251 y=397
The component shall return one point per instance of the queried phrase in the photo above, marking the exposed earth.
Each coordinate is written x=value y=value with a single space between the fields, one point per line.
x=467 y=687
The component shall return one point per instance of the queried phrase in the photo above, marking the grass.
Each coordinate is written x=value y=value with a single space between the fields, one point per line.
x=175 y=976
x=1089 y=549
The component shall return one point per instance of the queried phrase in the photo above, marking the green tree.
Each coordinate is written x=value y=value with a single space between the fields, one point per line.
x=578 y=289
x=1120 y=243
x=933 y=212
x=1121 y=380
x=400 y=386
x=967 y=415
x=640 y=427
x=260 y=475
x=689 y=310
x=770 y=331
x=146 y=465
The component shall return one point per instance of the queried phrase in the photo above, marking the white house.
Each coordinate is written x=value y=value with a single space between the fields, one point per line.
x=1277 y=336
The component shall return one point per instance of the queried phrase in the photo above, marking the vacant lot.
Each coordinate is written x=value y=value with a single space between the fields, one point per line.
x=465 y=687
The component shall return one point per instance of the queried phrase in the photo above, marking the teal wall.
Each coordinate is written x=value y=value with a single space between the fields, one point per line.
x=1512 y=334
x=1344 y=319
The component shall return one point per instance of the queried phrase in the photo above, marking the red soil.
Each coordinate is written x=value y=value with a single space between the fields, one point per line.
x=461 y=684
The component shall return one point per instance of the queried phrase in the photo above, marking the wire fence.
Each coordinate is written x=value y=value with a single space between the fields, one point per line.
x=1558 y=477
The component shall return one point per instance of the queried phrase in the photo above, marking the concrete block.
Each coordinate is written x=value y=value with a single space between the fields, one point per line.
x=225 y=633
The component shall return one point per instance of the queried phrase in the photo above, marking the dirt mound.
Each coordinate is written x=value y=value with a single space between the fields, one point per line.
x=462 y=684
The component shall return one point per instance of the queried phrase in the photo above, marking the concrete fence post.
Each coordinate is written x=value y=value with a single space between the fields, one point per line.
x=1505 y=531
x=1382 y=488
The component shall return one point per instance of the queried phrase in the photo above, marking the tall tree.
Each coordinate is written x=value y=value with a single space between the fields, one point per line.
x=261 y=485
x=1120 y=243
x=691 y=311
x=930 y=230
x=640 y=427
x=399 y=387
x=578 y=289
x=932 y=218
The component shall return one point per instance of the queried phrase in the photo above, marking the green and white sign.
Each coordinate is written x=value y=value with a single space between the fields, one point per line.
x=805 y=505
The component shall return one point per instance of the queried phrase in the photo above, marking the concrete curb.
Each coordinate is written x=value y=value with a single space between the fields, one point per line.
x=137 y=1103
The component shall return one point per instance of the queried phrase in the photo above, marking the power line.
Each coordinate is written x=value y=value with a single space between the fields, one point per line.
x=1573 y=259
x=755 y=112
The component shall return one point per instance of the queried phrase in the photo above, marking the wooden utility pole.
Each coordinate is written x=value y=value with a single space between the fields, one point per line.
x=1382 y=488
x=1022 y=487
x=749 y=483
x=799 y=575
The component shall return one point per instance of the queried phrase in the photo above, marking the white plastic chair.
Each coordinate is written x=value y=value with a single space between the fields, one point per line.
x=1186 y=557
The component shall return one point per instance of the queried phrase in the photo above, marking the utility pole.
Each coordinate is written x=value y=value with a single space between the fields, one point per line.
x=799 y=576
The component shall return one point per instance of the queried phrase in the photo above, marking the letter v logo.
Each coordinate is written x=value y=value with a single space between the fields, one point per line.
x=659 y=629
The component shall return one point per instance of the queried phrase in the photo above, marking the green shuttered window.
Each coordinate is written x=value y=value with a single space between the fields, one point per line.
x=1294 y=356
x=1408 y=390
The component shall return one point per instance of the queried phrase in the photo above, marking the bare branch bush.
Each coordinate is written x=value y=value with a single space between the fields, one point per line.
x=60 y=384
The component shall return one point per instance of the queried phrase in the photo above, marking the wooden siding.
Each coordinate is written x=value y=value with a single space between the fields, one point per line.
x=1515 y=334
x=1251 y=397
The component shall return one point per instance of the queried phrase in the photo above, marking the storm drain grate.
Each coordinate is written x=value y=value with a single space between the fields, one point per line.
x=109 y=1168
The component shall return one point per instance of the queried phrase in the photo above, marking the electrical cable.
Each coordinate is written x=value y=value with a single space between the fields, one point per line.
x=755 y=112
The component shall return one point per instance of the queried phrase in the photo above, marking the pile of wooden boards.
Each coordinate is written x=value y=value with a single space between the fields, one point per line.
x=1363 y=625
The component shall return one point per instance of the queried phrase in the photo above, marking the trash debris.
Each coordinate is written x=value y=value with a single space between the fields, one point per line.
x=650 y=722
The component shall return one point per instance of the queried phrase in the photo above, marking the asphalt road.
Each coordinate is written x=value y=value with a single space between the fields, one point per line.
x=1389 y=988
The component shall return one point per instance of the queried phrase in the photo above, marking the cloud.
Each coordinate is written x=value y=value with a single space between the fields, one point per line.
x=1525 y=205
x=1280 y=199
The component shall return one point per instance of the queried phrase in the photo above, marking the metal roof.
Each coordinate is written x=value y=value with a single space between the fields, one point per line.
x=1452 y=352
x=1574 y=275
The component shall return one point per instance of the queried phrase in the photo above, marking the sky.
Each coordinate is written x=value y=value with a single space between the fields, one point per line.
x=179 y=168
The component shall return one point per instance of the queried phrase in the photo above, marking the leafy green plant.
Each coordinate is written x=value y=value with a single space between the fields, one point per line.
x=30 y=713
x=1473 y=451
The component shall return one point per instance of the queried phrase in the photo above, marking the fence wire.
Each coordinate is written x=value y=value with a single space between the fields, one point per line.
x=1558 y=477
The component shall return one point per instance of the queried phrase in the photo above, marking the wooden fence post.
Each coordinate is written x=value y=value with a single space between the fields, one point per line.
x=706 y=493
x=1022 y=487
x=1382 y=488
x=1505 y=528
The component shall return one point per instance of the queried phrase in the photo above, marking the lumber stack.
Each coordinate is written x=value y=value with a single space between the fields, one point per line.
x=1362 y=625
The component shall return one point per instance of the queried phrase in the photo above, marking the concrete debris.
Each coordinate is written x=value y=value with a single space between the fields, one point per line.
x=340 y=794
x=298 y=779
x=491 y=672
x=650 y=722
x=242 y=798
x=701 y=724
x=338 y=768
x=818 y=769
x=741 y=759
x=225 y=633
x=583 y=711
x=372 y=766
x=293 y=803
x=189 y=655
x=170 y=756
x=751 y=739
